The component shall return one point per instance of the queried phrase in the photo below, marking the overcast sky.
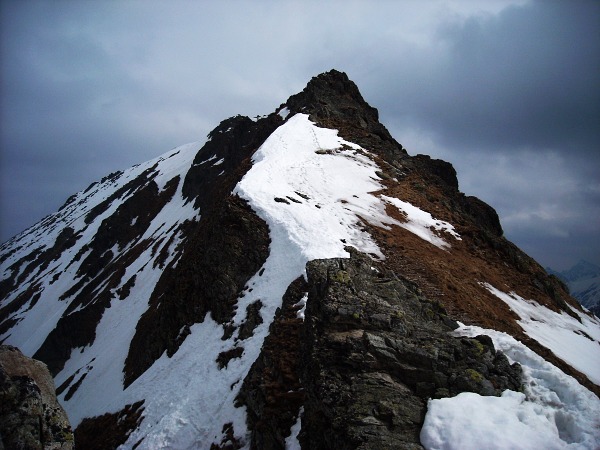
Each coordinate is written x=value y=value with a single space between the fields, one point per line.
x=507 y=91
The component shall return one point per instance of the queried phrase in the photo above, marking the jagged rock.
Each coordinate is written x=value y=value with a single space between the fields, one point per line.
x=30 y=416
x=109 y=430
x=332 y=100
x=441 y=170
x=375 y=351
x=484 y=215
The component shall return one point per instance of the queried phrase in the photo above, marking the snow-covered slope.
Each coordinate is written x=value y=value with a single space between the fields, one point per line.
x=81 y=289
x=37 y=318
x=97 y=367
x=552 y=412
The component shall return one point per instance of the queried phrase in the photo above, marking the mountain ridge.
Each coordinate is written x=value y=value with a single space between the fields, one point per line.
x=182 y=265
x=583 y=281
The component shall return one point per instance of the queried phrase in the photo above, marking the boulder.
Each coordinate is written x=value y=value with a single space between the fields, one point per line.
x=30 y=415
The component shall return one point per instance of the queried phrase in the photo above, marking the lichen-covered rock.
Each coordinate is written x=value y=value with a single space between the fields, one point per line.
x=30 y=415
x=375 y=350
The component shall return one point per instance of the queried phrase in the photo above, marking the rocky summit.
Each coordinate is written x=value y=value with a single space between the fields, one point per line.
x=297 y=281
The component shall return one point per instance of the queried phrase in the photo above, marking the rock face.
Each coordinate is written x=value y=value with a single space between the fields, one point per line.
x=376 y=350
x=371 y=352
x=30 y=415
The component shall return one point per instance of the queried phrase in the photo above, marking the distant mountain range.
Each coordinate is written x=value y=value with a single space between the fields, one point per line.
x=583 y=281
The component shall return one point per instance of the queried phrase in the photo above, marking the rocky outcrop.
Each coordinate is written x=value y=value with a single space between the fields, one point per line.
x=108 y=431
x=30 y=416
x=222 y=252
x=375 y=349
x=332 y=100
x=371 y=351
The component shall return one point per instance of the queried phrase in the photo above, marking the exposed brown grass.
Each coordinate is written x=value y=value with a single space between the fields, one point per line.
x=453 y=276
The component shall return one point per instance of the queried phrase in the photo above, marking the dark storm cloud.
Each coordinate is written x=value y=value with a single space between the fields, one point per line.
x=529 y=76
x=506 y=90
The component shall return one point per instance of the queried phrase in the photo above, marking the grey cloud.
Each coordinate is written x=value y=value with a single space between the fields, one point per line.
x=529 y=76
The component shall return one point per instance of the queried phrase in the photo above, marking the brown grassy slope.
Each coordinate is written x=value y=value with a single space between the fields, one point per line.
x=453 y=276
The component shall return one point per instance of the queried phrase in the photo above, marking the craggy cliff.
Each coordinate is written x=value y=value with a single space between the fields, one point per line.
x=298 y=280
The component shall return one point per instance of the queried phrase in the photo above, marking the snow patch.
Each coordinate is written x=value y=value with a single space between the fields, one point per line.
x=291 y=442
x=422 y=223
x=554 y=412
x=302 y=305
x=575 y=342
x=283 y=113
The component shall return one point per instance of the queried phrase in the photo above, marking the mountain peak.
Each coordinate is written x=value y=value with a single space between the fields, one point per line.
x=583 y=269
x=281 y=255
x=331 y=93
x=336 y=83
x=332 y=100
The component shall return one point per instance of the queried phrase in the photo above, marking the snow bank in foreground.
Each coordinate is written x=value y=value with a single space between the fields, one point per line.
x=554 y=412
x=573 y=341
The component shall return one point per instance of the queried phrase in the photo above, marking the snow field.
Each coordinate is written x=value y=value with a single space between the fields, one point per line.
x=326 y=188
x=554 y=412
x=575 y=342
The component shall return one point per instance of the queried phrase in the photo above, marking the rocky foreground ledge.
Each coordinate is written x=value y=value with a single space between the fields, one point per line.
x=371 y=351
x=30 y=415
